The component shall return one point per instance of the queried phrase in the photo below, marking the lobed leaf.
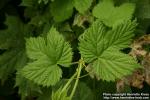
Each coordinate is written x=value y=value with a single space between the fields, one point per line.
x=47 y=54
x=101 y=48
x=110 y=15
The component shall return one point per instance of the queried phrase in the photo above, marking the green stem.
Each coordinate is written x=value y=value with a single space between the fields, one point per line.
x=68 y=83
x=77 y=80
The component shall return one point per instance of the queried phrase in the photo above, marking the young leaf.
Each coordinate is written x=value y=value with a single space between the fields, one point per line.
x=110 y=15
x=61 y=9
x=82 y=5
x=47 y=54
x=102 y=50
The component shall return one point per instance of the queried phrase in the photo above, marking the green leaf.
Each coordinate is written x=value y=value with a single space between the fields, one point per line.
x=82 y=5
x=116 y=65
x=121 y=35
x=61 y=9
x=12 y=41
x=47 y=54
x=110 y=15
x=102 y=48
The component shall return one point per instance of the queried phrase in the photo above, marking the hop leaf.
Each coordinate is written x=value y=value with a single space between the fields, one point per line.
x=110 y=15
x=47 y=54
x=101 y=48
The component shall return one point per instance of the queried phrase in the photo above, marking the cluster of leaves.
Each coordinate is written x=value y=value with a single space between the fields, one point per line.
x=53 y=39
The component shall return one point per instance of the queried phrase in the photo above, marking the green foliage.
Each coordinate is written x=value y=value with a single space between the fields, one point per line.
x=47 y=54
x=66 y=11
x=66 y=7
x=110 y=15
x=12 y=41
x=102 y=47
x=44 y=42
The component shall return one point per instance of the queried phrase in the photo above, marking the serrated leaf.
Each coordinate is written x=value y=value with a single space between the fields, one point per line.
x=121 y=35
x=61 y=10
x=110 y=15
x=82 y=5
x=47 y=54
x=42 y=73
x=116 y=65
x=102 y=48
